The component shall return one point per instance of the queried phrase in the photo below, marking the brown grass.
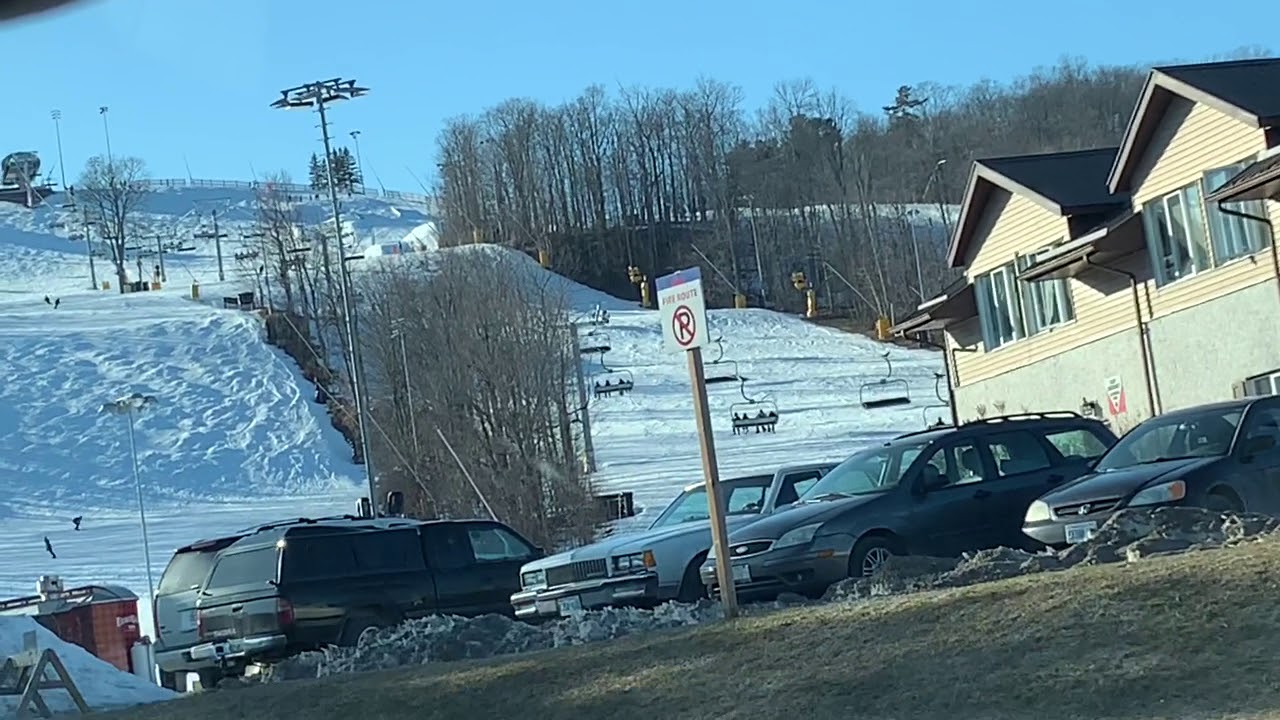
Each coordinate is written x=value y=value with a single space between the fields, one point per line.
x=1195 y=636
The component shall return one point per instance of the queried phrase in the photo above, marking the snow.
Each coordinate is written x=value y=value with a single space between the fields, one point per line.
x=102 y=684
x=234 y=438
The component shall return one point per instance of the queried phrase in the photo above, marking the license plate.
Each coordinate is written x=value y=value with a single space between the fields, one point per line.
x=187 y=621
x=741 y=574
x=570 y=605
x=1079 y=532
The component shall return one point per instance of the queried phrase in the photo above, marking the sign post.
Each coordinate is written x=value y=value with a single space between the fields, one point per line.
x=683 y=310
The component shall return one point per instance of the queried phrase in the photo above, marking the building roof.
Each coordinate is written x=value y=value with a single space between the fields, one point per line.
x=1247 y=90
x=1064 y=183
x=1259 y=181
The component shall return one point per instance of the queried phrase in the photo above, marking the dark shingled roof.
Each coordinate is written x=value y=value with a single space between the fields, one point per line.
x=1251 y=85
x=1255 y=176
x=1070 y=179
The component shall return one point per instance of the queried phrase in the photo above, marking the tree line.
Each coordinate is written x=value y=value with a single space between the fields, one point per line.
x=860 y=201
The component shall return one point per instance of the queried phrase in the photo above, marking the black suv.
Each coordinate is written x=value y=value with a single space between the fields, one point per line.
x=936 y=492
x=279 y=589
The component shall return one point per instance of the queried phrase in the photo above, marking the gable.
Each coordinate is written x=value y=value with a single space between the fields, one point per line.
x=1009 y=225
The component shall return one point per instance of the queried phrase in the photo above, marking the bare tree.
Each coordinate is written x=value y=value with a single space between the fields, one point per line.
x=112 y=193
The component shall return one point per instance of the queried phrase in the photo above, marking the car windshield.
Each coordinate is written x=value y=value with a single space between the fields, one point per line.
x=869 y=471
x=1184 y=435
x=743 y=498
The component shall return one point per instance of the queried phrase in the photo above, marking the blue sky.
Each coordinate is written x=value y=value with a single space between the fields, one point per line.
x=188 y=81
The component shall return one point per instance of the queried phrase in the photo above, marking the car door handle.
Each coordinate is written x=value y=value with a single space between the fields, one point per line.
x=237 y=608
x=982 y=494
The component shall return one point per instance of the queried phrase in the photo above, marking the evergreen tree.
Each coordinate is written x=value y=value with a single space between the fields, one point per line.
x=316 y=171
x=354 y=172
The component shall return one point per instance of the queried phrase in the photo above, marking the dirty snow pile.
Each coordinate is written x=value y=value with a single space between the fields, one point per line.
x=447 y=638
x=1128 y=536
x=101 y=683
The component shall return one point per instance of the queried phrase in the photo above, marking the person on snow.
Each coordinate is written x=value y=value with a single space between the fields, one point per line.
x=49 y=546
x=76 y=521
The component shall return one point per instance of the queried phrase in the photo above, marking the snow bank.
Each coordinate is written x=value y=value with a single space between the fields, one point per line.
x=102 y=685
x=449 y=638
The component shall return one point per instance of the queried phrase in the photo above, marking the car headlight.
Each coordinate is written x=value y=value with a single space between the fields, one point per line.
x=533 y=578
x=1159 y=494
x=1037 y=511
x=634 y=563
x=802 y=535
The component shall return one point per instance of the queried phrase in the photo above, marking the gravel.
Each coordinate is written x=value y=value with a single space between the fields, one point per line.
x=1129 y=536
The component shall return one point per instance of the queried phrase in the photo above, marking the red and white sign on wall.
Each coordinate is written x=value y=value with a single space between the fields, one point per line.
x=1117 y=403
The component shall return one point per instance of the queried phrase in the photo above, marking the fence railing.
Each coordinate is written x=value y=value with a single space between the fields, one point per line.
x=295 y=189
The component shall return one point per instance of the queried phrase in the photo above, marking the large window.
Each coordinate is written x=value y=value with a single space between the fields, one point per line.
x=1046 y=303
x=1000 y=307
x=1268 y=384
x=1175 y=231
x=1234 y=236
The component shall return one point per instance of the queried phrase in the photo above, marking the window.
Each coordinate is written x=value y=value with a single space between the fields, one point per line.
x=795 y=485
x=1017 y=452
x=1175 y=234
x=448 y=546
x=999 y=307
x=1263 y=424
x=312 y=557
x=866 y=472
x=959 y=464
x=1234 y=236
x=1206 y=433
x=1077 y=444
x=494 y=543
x=747 y=499
x=1264 y=385
x=390 y=551
x=254 y=567
x=741 y=498
x=1046 y=303
x=186 y=571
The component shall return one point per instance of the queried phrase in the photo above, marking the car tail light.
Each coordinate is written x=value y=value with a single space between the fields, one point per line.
x=284 y=612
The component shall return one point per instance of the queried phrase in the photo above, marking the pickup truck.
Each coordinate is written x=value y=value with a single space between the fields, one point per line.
x=658 y=564
x=270 y=592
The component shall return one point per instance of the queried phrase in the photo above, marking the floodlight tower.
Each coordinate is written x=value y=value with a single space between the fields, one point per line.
x=317 y=95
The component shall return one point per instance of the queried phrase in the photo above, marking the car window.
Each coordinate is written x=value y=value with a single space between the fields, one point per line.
x=741 y=498
x=494 y=543
x=390 y=551
x=1017 y=452
x=448 y=546
x=1077 y=444
x=1203 y=433
x=795 y=484
x=957 y=464
x=186 y=571
x=868 y=471
x=253 y=567
x=1263 y=424
x=313 y=557
x=746 y=499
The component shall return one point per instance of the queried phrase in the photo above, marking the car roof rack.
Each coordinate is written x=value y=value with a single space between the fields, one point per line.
x=1048 y=415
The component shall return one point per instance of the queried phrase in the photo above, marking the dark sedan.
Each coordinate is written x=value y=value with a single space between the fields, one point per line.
x=932 y=493
x=1224 y=456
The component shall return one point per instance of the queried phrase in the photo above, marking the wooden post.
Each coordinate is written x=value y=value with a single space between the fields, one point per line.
x=711 y=475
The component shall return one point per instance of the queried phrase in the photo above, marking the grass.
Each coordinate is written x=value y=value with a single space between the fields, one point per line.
x=1194 y=636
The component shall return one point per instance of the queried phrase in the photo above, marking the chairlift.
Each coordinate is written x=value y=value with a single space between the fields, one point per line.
x=759 y=414
x=612 y=382
x=595 y=343
x=186 y=248
x=939 y=419
x=712 y=377
x=598 y=316
x=887 y=391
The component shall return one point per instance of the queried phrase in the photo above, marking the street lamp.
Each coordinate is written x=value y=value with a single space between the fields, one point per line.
x=106 y=131
x=62 y=165
x=317 y=95
x=129 y=406
x=355 y=135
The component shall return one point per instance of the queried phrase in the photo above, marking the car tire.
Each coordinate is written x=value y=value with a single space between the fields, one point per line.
x=691 y=588
x=169 y=681
x=209 y=678
x=868 y=553
x=1222 y=501
x=354 y=627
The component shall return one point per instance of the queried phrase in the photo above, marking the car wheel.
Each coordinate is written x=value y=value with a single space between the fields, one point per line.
x=209 y=678
x=169 y=681
x=354 y=627
x=869 y=554
x=691 y=588
x=1222 y=502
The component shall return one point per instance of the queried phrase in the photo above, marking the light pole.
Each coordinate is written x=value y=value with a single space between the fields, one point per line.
x=317 y=95
x=57 y=129
x=915 y=247
x=129 y=406
x=355 y=135
x=106 y=131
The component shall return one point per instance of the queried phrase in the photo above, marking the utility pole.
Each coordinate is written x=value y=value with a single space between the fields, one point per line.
x=584 y=413
x=217 y=243
x=266 y=266
x=88 y=243
x=915 y=248
x=160 y=254
x=397 y=331
x=316 y=94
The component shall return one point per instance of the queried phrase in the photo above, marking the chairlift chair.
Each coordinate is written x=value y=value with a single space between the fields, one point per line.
x=887 y=391
x=595 y=342
x=612 y=382
x=762 y=415
x=942 y=404
x=712 y=377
